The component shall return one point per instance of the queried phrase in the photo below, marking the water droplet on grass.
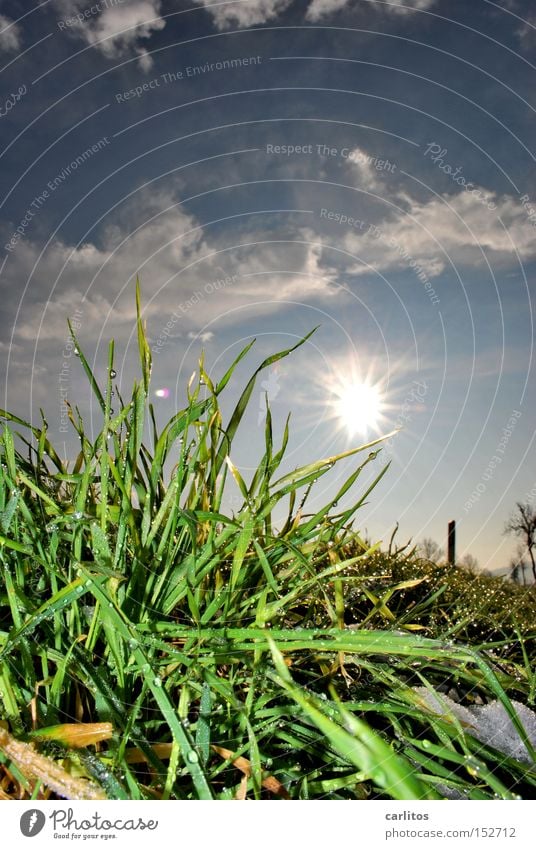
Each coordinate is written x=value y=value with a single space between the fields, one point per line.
x=113 y=373
x=157 y=682
x=192 y=757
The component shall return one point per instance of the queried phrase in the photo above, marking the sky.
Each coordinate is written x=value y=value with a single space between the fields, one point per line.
x=271 y=166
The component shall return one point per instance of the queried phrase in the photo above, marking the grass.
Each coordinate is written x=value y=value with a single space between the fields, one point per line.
x=154 y=647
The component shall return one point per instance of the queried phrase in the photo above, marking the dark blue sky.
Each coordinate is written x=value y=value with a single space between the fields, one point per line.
x=267 y=166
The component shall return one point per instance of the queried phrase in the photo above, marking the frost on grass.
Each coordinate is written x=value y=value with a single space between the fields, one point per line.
x=494 y=726
x=488 y=723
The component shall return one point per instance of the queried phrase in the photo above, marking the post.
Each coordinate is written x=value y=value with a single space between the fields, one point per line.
x=452 y=543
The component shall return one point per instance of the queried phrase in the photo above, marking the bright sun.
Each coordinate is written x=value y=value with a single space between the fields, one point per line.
x=358 y=405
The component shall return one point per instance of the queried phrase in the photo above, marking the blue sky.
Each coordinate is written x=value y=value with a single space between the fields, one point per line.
x=267 y=166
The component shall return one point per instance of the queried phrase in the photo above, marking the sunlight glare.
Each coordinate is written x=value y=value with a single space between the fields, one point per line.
x=358 y=406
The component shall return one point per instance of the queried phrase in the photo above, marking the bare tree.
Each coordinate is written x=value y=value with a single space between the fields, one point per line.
x=469 y=563
x=522 y=523
x=430 y=550
x=517 y=571
x=518 y=565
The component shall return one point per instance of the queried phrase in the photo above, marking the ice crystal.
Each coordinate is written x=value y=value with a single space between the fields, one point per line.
x=489 y=723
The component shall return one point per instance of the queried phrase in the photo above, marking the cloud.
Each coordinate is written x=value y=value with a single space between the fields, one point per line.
x=403 y=6
x=196 y=286
x=10 y=35
x=527 y=32
x=118 y=30
x=367 y=168
x=458 y=229
x=181 y=268
x=207 y=336
x=321 y=8
x=249 y=13
x=387 y=228
x=244 y=14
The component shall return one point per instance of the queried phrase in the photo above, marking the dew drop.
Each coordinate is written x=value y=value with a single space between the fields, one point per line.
x=192 y=757
x=113 y=373
x=157 y=682
x=76 y=352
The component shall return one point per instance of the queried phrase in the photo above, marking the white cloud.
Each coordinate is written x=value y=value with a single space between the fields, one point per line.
x=10 y=35
x=175 y=260
x=118 y=30
x=527 y=32
x=321 y=8
x=145 y=61
x=366 y=169
x=295 y=270
x=398 y=5
x=205 y=336
x=194 y=288
x=247 y=13
x=451 y=229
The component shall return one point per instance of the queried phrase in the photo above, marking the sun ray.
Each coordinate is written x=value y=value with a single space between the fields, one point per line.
x=358 y=406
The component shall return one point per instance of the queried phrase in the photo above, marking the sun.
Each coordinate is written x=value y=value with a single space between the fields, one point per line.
x=358 y=405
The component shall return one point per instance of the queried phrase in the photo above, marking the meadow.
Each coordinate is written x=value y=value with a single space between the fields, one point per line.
x=155 y=645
